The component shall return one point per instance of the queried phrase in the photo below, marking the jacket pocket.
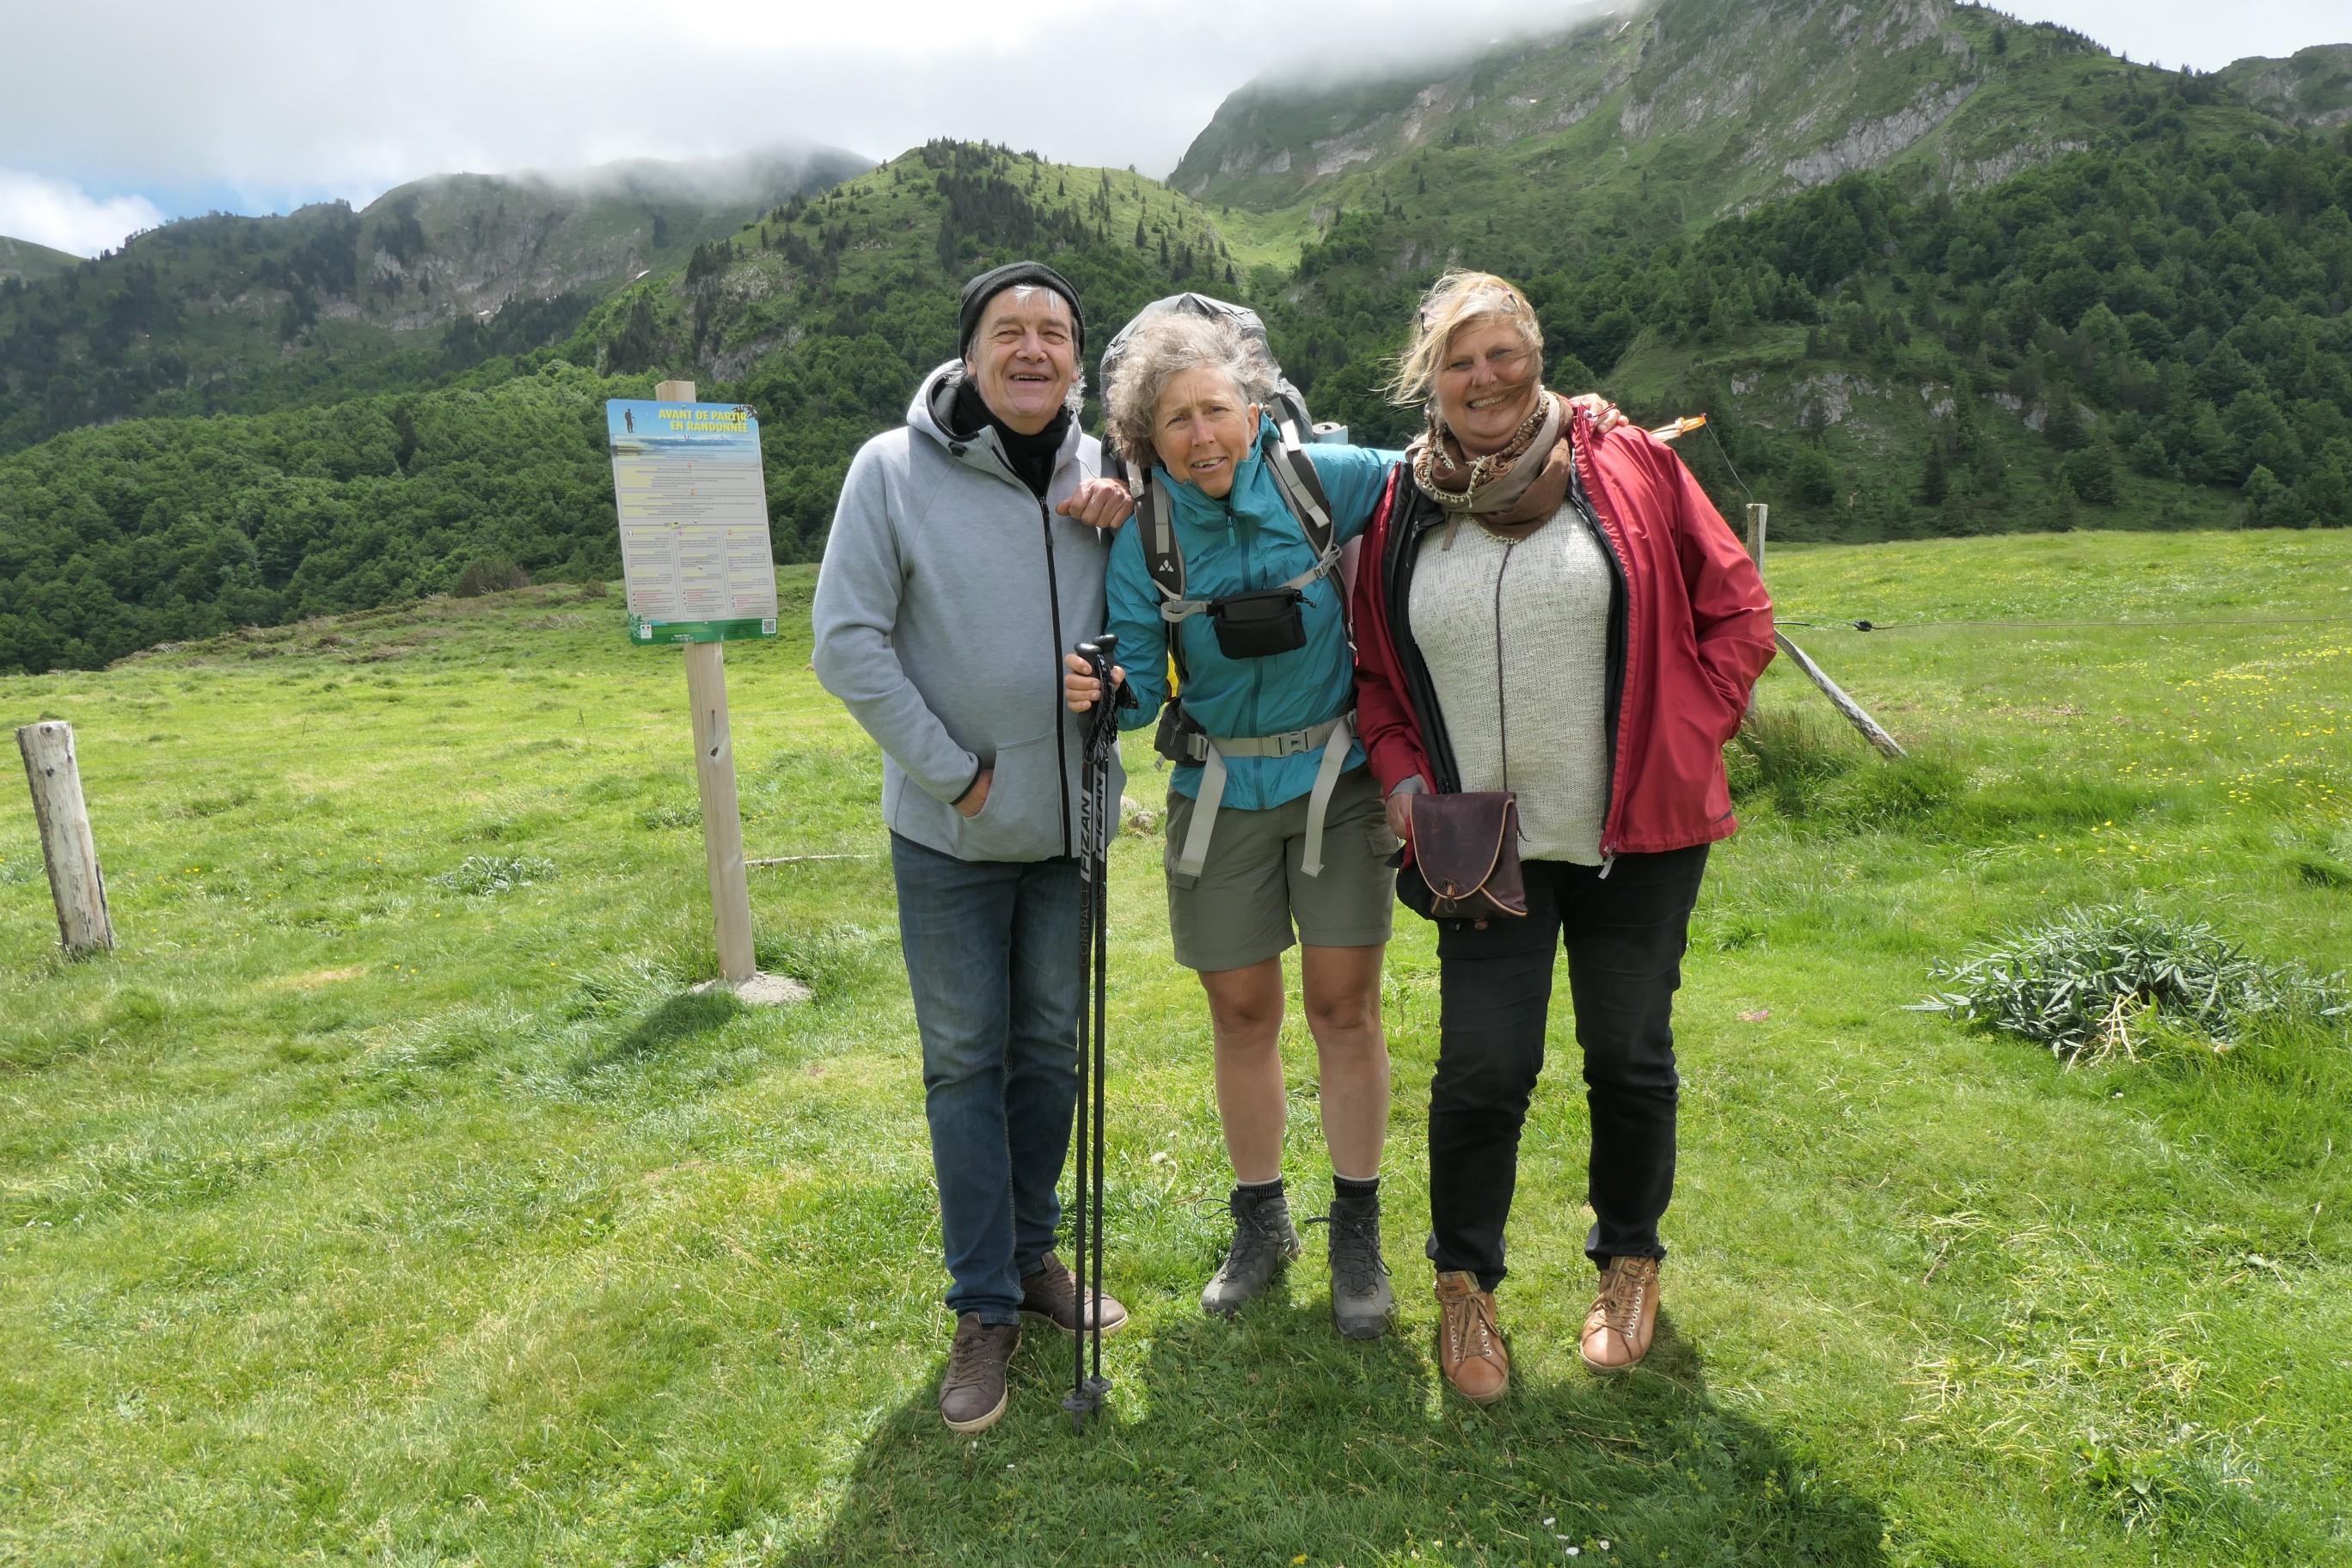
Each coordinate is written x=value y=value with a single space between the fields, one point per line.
x=1022 y=818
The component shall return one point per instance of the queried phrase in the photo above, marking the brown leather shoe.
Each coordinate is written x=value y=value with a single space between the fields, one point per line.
x=1052 y=1293
x=1624 y=1315
x=1469 y=1347
x=972 y=1395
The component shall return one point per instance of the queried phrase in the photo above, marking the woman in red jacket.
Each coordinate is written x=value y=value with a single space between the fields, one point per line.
x=1563 y=614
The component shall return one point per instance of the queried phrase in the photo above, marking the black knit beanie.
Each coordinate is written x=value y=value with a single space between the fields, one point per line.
x=1013 y=275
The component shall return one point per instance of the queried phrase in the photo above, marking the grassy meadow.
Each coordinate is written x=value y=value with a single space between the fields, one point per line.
x=387 y=1198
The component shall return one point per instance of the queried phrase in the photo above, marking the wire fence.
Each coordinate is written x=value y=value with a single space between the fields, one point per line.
x=1855 y=625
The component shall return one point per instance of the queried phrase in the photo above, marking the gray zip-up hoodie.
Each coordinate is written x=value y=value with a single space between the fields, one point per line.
x=947 y=597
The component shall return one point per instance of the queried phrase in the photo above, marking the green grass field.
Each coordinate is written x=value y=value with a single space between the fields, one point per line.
x=349 y=1215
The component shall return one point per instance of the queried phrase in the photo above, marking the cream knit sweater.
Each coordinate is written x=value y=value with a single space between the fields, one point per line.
x=1539 y=609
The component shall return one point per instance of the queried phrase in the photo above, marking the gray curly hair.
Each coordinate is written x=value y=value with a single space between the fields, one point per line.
x=1163 y=349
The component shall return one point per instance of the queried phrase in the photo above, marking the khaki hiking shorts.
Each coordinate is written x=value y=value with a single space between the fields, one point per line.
x=1239 y=910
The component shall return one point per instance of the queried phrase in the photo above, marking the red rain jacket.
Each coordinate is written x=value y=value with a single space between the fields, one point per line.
x=1690 y=630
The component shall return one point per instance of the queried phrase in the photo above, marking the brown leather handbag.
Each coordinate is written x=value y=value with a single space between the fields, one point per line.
x=1466 y=847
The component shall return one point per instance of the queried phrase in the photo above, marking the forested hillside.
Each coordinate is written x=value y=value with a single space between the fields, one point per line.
x=2154 y=332
x=162 y=530
x=227 y=313
x=2068 y=290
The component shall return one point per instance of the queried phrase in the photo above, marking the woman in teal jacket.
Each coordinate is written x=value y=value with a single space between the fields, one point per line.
x=1273 y=822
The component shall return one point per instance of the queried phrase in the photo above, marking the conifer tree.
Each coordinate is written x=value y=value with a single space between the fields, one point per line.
x=1934 y=479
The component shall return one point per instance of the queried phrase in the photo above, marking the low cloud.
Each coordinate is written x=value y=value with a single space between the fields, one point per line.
x=260 y=104
x=252 y=103
x=64 y=216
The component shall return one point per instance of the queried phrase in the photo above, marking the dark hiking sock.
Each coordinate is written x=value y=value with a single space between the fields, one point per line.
x=1354 y=1196
x=1267 y=1189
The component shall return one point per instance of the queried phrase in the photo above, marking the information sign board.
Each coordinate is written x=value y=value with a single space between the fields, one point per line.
x=694 y=522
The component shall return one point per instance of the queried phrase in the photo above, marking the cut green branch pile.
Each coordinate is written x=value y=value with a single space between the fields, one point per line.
x=2082 y=982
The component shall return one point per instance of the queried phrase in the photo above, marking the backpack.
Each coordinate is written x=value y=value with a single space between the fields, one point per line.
x=1302 y=489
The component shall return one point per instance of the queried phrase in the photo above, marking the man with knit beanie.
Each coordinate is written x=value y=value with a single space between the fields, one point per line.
x=966 y=556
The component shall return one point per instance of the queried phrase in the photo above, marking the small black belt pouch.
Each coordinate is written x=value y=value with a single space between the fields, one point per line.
x=1259 y=624
x=1173 y=740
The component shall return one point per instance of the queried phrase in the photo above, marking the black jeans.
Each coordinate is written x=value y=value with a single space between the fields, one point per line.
x=1624 y=935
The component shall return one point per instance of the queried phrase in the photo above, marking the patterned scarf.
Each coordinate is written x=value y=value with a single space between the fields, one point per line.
x=1509 y=493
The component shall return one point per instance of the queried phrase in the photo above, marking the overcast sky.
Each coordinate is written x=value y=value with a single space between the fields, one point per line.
x=115 y=116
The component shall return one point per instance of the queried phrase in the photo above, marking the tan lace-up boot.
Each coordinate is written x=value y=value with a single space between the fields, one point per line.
x=1624 y=1315
x=1469 y=1347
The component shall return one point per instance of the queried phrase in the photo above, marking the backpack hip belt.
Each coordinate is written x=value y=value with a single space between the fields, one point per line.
x=1335 y=736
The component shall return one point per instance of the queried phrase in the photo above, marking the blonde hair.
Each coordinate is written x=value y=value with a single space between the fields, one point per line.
x=1163 y=349
x=1456 y=301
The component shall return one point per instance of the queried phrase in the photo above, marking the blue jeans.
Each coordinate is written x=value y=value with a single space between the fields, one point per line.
x=993 y=957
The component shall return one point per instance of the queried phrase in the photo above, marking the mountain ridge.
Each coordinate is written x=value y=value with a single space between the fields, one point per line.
x=225 y=313
x=1741 y=101
x=24 y=258
x=2312 y=87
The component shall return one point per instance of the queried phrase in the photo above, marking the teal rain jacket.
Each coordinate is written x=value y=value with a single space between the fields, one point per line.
x=1248 y=539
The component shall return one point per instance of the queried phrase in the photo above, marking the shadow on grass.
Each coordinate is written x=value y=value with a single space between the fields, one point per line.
x=1264 y=1440
x=681 y=1017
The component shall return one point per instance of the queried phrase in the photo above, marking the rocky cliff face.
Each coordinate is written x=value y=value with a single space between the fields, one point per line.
x=465 y=244
x=1753 y=99
x=2313 y=88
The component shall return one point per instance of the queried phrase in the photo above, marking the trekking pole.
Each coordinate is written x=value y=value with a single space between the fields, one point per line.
x=1098 y=816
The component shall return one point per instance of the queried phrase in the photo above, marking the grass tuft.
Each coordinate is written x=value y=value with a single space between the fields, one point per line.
x=1816 y=772
x=2085 y=980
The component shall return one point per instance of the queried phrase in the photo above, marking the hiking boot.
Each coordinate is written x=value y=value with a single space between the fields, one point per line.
x=1264 y=1240
x=1361 y=1297
x=1469 y=1346
x=1052 y=1293
x=1624 y=1315
x=972 y=1395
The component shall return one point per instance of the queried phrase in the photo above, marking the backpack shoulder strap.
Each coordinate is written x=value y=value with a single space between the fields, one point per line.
x=1163 y=557
x=1302 y=490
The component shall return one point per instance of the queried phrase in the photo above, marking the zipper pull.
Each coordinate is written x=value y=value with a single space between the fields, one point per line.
x=1606 y=862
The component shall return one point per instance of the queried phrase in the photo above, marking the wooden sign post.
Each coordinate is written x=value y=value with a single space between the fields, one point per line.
x=700 y=572
x=77 y=886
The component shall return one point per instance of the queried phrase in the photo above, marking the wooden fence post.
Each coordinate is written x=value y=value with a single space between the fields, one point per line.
x=1758 y=513
x=1887 y=745
x=77 y=886
x=714 y=774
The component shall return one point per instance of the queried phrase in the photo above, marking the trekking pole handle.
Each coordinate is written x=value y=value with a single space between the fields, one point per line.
x=1101 y=655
